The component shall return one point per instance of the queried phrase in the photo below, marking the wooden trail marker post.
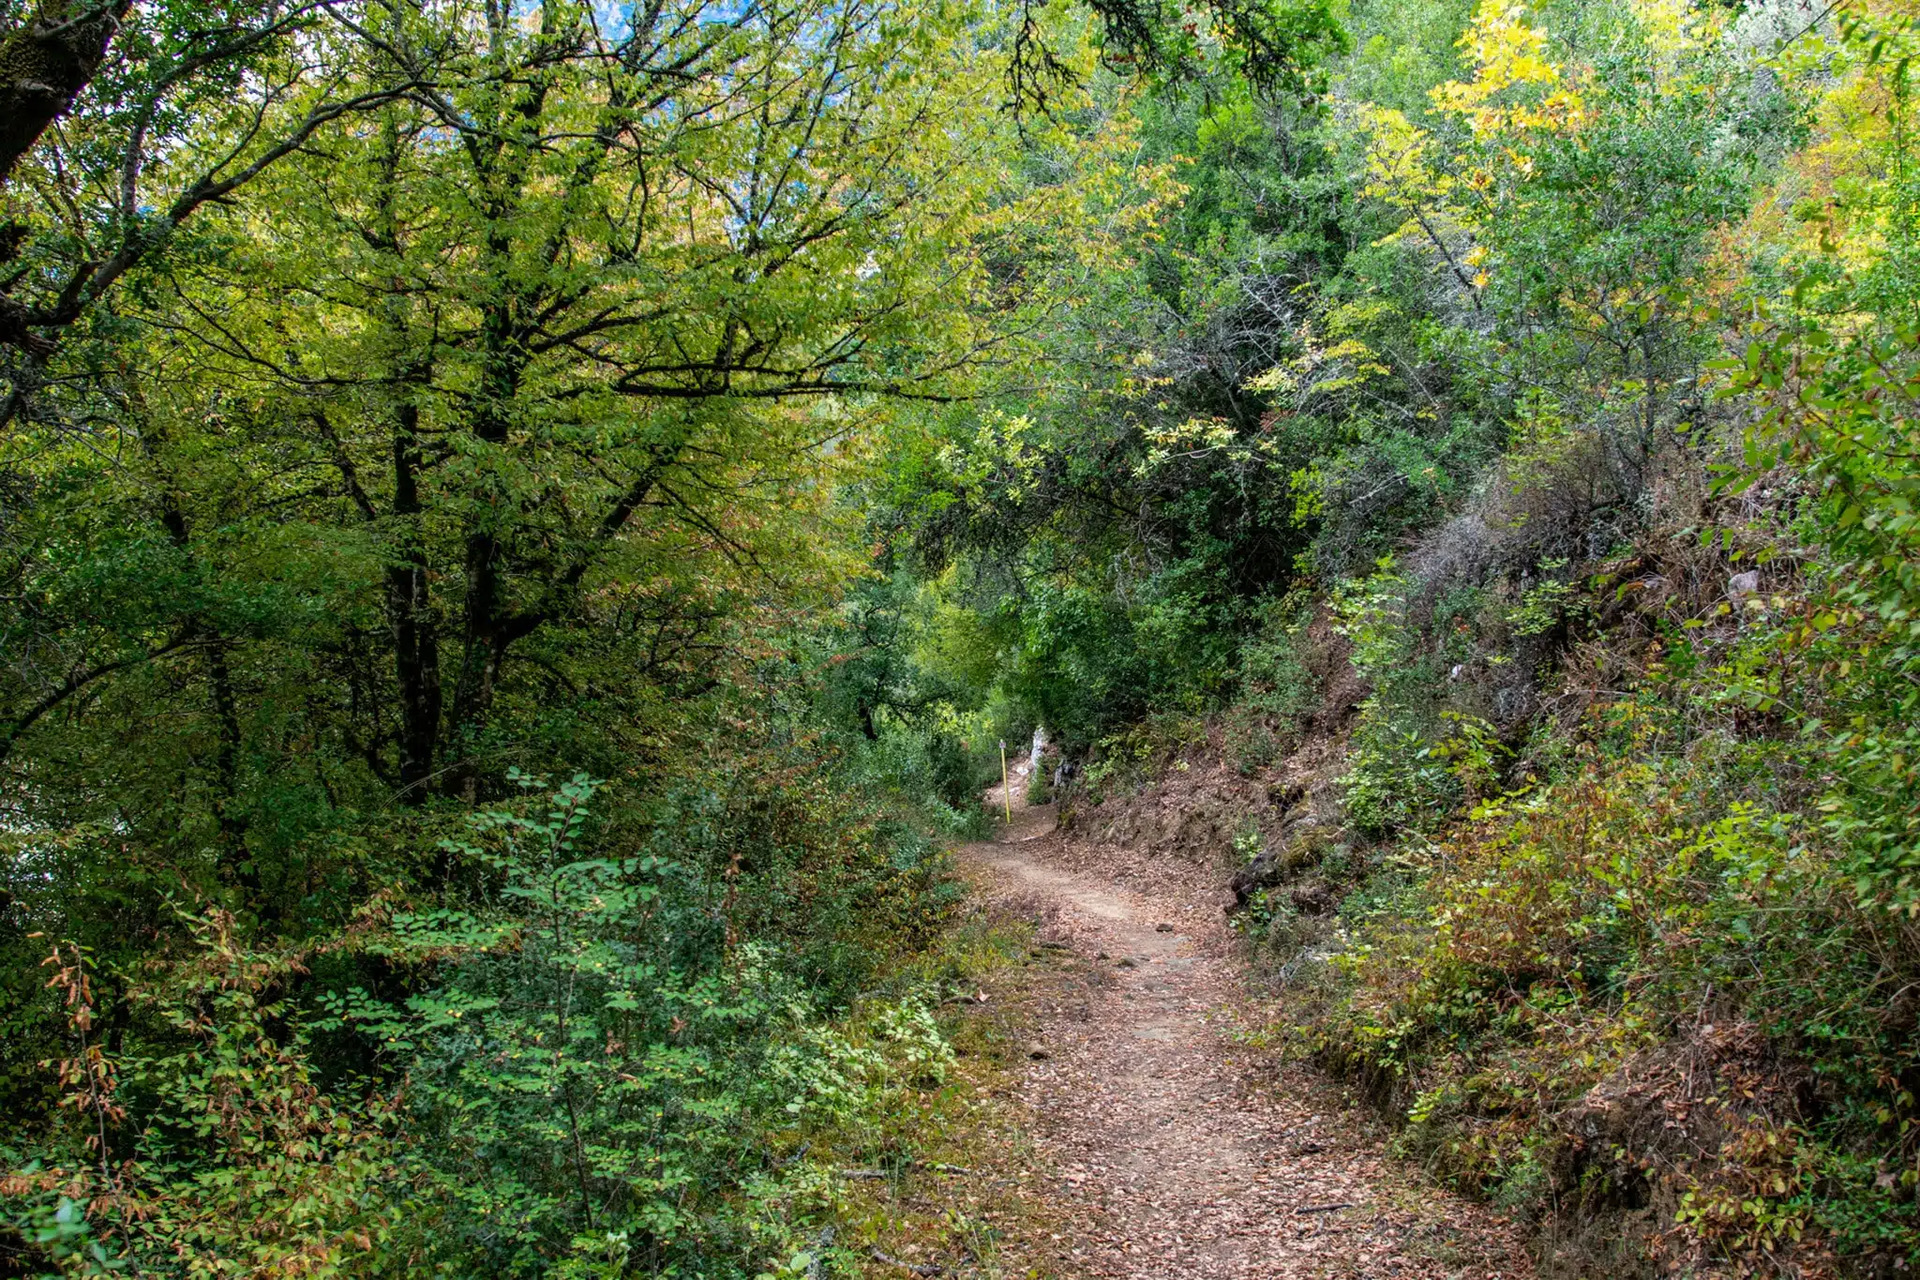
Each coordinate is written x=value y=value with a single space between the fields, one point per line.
x=1006 y=791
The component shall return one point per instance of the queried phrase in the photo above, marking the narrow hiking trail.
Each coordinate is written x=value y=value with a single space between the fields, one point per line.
x=1177 y=1152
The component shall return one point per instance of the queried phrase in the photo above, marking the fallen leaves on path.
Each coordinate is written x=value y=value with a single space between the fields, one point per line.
x=1177 y=1152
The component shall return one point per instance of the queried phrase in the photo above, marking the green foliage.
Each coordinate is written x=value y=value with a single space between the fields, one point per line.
x=606 y=1055
x=214 y=1143
x=1275 y=688
x=602 y=1043
x=1837 y=406
x=1566 y=946
x=1394 y=777
x=504 y=403
x=1126 y=759
x=1841 y=411
x=954 y=779
x=1274 y=678
x=737 y=406
x=1273 y=47
x=1678 y=895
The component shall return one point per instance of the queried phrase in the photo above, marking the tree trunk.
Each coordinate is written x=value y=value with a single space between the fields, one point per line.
x=487 y=631
x=410 y=613
x=44 y=63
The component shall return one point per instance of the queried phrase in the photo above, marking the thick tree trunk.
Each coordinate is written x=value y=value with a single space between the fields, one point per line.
x=411 y=619
x=488 y=631
x=45 y=62
x=236 y=859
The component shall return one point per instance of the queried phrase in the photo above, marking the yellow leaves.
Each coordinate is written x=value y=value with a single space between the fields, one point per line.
x=1508 y=54
x=1317 y=371
x=1348 y=347
x=1360 y=314
x=1400 y=164
x=1190 y=438
x=1833 y=200
x=1402 y=169
x=1505 y=48
x=1003 y=447
x=1309 y=486
x=1105 y=201
x=1516 y=89
x=1320 y=370
x=1277 y=379
x=1476 y=257
x=1668 y=25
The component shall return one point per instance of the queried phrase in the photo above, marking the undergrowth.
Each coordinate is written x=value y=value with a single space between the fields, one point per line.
x=1634 y=979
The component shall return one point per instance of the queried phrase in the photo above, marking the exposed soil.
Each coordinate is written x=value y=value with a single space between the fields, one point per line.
x=1175 y=1149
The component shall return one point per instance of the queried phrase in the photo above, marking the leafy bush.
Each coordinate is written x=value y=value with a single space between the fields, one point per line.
x=578 y=1060
x=1578 y=998
x=954 y=779
x=1393 y=778
x=1843 y=411
x=1274 y=687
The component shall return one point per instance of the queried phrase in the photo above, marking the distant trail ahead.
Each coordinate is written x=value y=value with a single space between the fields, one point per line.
x=1183 y=1155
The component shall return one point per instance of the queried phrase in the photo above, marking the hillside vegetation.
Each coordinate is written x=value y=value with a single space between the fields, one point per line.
x=523 y=529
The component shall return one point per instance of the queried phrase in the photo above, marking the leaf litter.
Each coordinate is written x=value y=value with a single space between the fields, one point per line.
x=1168 y=1148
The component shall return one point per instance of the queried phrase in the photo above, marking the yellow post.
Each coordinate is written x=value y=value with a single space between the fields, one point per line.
x=1006 y=790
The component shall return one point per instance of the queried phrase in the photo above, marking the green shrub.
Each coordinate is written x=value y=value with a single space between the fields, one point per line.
x=1592 y=939
x=1274 y=688
x=575 y=1060
x=953 y=777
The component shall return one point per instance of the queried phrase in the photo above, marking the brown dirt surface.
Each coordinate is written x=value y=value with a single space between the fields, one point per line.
x=1176 y=1150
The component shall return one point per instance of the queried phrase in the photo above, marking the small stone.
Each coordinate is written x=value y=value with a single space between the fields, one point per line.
x=1163 y=927
x=1038 y=1052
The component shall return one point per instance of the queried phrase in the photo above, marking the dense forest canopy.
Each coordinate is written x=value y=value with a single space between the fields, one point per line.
x=522 y=523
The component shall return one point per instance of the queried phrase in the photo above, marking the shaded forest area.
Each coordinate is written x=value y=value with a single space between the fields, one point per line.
x=522 y=526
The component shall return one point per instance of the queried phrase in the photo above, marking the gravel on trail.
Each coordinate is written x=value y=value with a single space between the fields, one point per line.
x=1180 y=1152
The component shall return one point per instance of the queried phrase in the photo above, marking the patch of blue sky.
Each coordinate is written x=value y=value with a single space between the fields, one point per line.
x=616 y=21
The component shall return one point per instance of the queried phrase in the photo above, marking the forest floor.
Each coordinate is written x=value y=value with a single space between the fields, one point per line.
x=1165 y=1145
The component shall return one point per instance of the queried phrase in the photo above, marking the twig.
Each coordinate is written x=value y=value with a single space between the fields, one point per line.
x=914 y=1164
x=1324 y=1208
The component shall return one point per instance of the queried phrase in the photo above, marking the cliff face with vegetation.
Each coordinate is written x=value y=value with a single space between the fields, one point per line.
x=522 y=528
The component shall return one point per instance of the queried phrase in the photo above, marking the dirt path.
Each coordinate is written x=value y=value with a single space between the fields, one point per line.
x=1181 y=1154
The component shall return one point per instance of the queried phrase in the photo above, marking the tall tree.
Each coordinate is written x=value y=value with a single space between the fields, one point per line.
x=475 y=431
